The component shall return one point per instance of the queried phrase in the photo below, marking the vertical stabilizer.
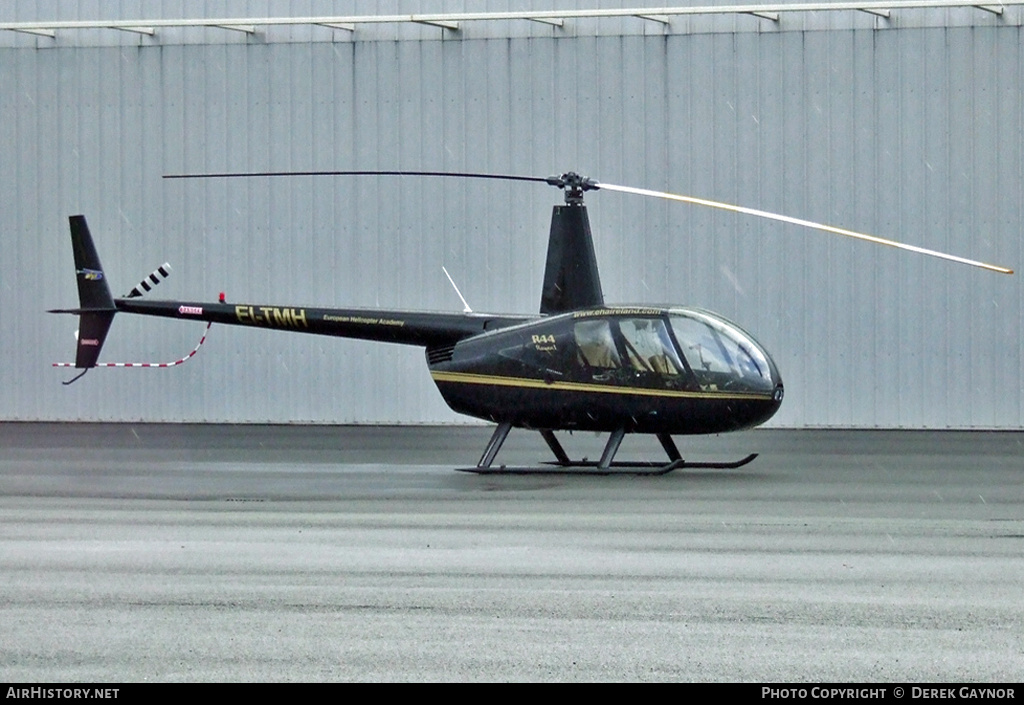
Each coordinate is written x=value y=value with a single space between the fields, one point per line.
x=93 y=292
x=571 y=280
x=97 y=309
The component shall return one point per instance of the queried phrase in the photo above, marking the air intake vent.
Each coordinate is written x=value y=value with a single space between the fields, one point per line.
x=438 y=355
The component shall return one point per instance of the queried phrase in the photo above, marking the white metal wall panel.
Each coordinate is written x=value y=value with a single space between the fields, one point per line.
x=181 y=17
x=914 y=134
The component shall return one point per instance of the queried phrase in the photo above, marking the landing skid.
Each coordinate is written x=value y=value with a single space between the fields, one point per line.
x=605 y=466
x=620 y=468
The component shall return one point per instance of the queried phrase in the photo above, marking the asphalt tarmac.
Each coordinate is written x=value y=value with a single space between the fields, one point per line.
x=136 y=552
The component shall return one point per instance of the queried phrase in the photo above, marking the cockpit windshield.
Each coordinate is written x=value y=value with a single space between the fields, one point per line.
x=721 y=355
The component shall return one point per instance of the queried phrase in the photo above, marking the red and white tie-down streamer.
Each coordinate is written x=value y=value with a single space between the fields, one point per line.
x=147 y=364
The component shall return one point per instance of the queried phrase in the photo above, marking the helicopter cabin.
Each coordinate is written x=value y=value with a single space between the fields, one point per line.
x=674 y=370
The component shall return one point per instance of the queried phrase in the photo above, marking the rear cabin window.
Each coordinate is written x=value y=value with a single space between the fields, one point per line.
x=596 y=344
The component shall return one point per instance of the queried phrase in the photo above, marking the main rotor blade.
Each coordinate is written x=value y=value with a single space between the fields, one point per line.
x=453 y=174
x=803 y=223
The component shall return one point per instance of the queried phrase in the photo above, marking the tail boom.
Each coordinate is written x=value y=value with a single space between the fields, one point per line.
x=421 y=328
x=97 y=309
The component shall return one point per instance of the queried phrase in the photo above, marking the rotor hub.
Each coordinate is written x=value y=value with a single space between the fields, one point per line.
x=573 y=185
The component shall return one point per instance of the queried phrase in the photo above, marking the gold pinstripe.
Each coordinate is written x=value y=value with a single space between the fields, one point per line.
x=499 y=381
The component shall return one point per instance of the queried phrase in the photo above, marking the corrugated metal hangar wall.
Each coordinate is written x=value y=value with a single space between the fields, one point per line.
x=908 y=127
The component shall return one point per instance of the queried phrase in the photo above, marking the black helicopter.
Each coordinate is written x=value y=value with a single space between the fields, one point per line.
x=578 y=365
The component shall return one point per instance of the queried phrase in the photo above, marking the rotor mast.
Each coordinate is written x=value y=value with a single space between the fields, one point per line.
x=571 y=279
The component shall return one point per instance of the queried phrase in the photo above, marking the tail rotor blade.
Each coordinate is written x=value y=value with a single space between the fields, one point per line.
x=147 y=284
